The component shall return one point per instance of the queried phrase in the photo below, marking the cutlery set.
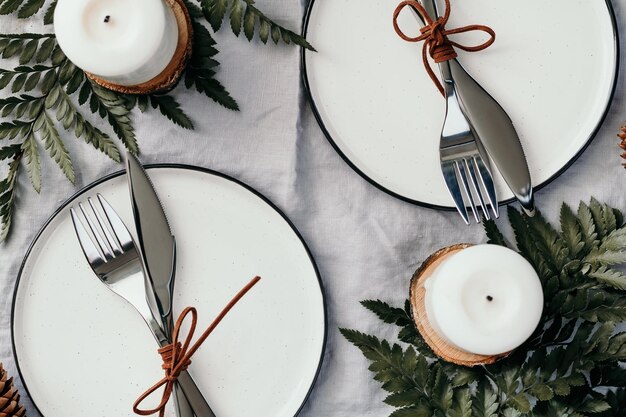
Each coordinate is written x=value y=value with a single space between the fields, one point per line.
x=476 y=129
x=142 y=272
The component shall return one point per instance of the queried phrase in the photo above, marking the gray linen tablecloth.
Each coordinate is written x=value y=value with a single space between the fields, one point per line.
x=366 y=243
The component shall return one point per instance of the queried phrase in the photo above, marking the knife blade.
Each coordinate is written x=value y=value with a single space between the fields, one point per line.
x=497 y=134
x=156 y=242
x=157 y=247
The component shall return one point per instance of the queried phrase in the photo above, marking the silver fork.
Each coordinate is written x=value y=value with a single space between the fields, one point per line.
x=113 y=256
x=464 y=161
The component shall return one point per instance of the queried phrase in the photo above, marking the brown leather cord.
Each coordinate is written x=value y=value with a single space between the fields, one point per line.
x=177 y=357
x=435 y=37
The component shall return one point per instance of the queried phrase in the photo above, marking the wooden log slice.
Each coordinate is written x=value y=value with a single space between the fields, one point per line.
x=168 y=78
x=417 y=294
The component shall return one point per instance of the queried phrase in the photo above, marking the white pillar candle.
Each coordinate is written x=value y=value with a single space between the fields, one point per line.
x=127 y=42
x=485 y=299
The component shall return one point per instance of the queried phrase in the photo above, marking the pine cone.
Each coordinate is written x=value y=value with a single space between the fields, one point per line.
x=622 y=136
x=9 y=397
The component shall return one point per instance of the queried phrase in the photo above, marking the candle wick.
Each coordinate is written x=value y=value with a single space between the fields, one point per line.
x=107 y=18
x=489 y=298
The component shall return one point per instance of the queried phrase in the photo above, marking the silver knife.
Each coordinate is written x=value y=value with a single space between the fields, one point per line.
x=497 y=134
x=157 y=248
x=493 y=127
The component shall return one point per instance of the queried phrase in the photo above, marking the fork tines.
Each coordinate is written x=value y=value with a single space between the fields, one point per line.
x=471 y=185
x=101 y=233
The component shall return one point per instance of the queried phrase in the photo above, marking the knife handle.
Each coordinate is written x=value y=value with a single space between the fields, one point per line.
x=193 y=395
x=187 y=393
x=181 y=404
x=444 y=67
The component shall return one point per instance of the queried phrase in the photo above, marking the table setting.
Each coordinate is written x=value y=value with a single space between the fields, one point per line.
x=312 y=208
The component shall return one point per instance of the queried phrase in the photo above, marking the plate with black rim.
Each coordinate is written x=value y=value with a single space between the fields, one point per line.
x=83 y=351
x=553 y=68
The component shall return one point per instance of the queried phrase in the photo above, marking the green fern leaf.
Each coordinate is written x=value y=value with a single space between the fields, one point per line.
x=511 y=412
x=74 y=82
x=267 y=26
x=45 y=50
x=617 y=400
x=10 y=6
x=15 y=129
x=30 y=48
x=610 y=277
x=542 y=392
x=588 y=226
x=599 y=218
x=609 y=257
x=549 y=242
x=142 y=103
x=9 y=151
x=420 y=410
x=96 y=138
x=33 y=164
x=442 y=393
x=85 y=93
x=519 y=402
x=387 y=313
x=249 y=21
x=55 y=147
x=18 y=82
x=462 y=404
x=493 y=233
x=236 y=17
x=570 y=231
x=48 y=81
x=30 y=8
x=32 y=81
x=264 y=30
x=5 y=78
x=404 y=399
x=214 y=11
x=171 y=109
x=485 y=401
x=49 y=16
x=8 y=187
x=614 y=241
x=14 y=47
x=117 y=114
x=195 y=11
x=209 y=86
x=595 y=406
x=58 y=56
x=462 y=376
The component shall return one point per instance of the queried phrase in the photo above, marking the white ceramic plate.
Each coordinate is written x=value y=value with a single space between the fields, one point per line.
x=82 y=351
x=552 y=67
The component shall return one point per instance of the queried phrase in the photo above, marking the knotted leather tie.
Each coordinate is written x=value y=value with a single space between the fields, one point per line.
x=177 y=356
x=435 y=37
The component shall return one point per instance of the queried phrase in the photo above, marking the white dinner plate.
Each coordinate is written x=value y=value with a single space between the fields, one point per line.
x=553 y=68
x=83 y=351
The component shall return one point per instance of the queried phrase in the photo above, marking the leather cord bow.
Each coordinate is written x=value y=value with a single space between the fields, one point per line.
x=435 y=37
x=177 y=356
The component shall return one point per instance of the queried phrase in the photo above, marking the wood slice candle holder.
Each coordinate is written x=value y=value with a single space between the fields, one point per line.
x=168 y=78
x=417 y=296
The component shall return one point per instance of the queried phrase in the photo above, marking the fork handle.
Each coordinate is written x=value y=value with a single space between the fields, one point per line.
x=431 y=8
